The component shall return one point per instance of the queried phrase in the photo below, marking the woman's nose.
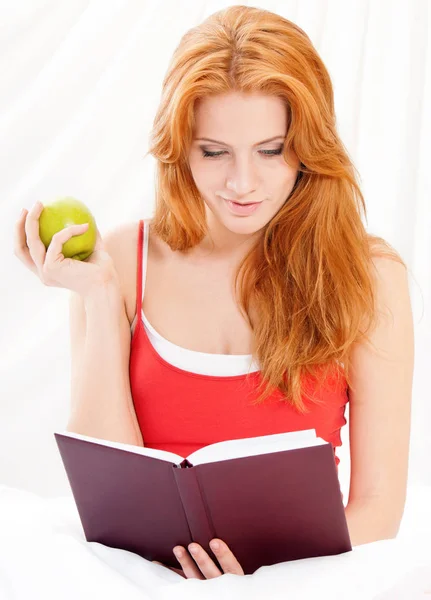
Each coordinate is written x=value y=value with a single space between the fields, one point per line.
x=242 y=178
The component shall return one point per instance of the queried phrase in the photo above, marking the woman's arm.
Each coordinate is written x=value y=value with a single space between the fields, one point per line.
x=369 y=522
x=380 y=412
x=101 y=399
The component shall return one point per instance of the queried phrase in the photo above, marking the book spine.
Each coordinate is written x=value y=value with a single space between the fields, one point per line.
x=200 y=523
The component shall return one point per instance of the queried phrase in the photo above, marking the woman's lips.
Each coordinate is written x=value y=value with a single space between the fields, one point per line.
x=240 y=203
x=242 y=209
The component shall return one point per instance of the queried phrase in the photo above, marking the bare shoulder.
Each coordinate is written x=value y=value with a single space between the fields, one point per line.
x=121 y=242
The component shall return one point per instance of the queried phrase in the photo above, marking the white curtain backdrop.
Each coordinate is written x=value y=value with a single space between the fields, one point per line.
x=79 y=86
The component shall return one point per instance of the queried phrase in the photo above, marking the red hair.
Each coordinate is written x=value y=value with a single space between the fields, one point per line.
x=308 y=281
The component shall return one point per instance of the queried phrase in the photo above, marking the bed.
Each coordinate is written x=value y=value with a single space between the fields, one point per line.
x=43 y=554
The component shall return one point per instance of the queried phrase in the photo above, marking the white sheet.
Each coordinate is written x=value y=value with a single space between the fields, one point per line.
x=43 y=554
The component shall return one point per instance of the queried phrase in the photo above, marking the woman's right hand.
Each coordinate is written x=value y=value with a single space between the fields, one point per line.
x=52 y=268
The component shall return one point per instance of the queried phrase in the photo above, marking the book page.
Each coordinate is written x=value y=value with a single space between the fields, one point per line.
x=170 y=457
x=264 y=444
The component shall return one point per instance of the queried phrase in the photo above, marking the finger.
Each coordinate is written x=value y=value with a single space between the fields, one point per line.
x=35 y=245
x=20 y=248
x=99 y=242
x=54 y=253
x=204 y=562
x=190 y=568
x=226 y=558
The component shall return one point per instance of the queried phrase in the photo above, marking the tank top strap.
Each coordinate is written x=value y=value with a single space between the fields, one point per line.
x=139 y=271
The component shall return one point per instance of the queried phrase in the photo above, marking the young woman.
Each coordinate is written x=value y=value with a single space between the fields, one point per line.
x=267 y=305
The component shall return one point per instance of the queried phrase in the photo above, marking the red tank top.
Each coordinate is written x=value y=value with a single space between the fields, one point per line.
x=180 y=411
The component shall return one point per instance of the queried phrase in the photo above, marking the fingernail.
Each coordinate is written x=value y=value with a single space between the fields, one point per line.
x=178 y=553
x=22 y=212
x=214 y=545
x=193 y=549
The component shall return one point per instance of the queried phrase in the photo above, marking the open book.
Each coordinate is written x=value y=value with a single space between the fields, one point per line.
x=271 y=498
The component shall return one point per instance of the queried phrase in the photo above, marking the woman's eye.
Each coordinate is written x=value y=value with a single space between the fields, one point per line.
x=207 y=154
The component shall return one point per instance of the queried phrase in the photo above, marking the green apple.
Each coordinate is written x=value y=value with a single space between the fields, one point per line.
x=64 y=212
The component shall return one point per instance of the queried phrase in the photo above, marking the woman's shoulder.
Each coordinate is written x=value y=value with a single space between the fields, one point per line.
x=121 y=243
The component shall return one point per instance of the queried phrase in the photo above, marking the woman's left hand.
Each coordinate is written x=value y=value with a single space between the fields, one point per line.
x=200 y=566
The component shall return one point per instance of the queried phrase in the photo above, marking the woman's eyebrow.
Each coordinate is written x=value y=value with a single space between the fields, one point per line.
x=258 y=144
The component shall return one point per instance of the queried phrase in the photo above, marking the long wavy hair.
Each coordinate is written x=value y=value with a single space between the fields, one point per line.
x=306 y=288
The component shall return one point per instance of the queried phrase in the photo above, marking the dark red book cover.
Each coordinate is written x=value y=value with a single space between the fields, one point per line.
x=269 y=507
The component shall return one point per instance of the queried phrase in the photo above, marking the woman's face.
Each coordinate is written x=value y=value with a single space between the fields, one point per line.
x=238 y=164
